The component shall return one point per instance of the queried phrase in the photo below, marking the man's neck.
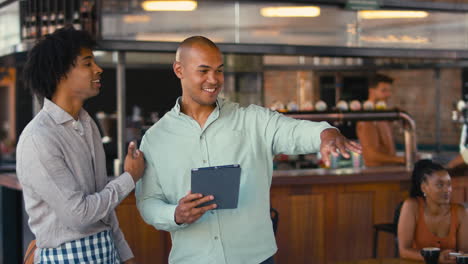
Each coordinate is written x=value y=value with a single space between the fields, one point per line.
x=199 y=113
x=68 y=104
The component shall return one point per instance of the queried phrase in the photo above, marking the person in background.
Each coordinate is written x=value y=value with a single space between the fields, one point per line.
x=428 y=218
x=61 y=162
x=203 y=130
x=460 y=160
x=376 y=138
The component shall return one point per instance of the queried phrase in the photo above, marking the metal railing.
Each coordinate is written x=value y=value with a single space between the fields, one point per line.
x=409 y=125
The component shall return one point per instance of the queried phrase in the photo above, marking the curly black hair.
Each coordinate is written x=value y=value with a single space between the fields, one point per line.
x=51 y=59
x=422 y=169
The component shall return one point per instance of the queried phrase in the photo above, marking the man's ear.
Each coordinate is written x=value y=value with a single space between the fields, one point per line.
x=177 y=67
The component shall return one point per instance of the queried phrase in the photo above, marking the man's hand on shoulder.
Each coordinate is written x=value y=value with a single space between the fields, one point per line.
x=334 y=143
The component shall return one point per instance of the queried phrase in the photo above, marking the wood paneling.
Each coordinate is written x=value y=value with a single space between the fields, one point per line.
x=349 y=212
x=303 y=231
x=318 y=223
x=148 y=244
x=354 y=215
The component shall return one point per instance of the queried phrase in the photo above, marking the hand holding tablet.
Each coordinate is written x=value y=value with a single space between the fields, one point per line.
x=212 y=188
x=187 y=211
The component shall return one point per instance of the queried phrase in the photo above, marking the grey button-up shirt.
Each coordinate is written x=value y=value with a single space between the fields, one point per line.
x=61 y=167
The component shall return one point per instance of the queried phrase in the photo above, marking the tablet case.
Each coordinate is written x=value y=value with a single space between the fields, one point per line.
x=220 y=181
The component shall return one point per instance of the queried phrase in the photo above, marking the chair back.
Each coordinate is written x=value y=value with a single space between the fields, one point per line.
x=274 y=219
x=396 y=214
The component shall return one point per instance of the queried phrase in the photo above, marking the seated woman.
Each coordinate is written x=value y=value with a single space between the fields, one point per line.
x=428 y=218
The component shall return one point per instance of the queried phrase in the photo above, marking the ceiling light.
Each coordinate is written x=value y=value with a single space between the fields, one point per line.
x=396 y=39
x=387 y=14
x=169 y=5
x=291 y=11
x=132 y=19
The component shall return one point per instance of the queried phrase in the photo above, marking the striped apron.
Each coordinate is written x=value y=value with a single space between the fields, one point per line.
x=97 y=248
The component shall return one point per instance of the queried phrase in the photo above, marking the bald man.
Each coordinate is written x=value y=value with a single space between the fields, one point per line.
x=203 y=130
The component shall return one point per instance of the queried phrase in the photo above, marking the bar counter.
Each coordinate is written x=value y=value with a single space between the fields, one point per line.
x=325 y=216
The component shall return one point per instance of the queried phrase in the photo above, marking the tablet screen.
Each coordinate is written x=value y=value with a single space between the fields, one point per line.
x=220 y=181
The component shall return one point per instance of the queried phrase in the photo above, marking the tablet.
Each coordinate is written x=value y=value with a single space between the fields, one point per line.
x=220 y=181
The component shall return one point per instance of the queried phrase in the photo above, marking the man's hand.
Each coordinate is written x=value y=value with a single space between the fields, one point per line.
x=186 y=211
x=134 y=162
x=333 y=142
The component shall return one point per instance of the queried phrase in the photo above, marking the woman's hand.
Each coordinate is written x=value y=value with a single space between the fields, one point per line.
x=445 y=258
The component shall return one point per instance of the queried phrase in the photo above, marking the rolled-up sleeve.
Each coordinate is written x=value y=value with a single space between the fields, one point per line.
x=52 y=180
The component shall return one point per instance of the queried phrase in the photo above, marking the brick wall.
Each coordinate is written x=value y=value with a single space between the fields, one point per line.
x=287 y=86
x=413 y=91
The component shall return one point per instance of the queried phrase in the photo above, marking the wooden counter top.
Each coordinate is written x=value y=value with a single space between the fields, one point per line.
x=383 y=261
x=300 y=177
x=327 y=176
x=292 y=177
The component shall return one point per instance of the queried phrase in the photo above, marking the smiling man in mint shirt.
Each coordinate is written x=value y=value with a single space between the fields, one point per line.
x=203 y=130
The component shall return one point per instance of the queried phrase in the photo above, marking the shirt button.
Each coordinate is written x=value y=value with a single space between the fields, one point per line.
x=204 y=161
x=216 y=237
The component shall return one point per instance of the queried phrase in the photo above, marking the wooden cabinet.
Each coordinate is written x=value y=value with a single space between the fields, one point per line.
x=333 y=222
x=148 y=244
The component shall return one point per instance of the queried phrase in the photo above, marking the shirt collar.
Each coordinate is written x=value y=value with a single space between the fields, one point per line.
x=59 y=115
x=219 y=104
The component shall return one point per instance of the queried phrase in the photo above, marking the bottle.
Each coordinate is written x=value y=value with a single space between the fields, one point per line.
x=368 y=105
x=355 y=105
x=307 y=106
x=342 y=105
x=52 y=16
x=381 y=105
x=26 y=27
x=76 y=15
x=277 y=106
x=292 y=106
x=33 y=26
x=321 y=106
x=60 y=21
x=154 y=117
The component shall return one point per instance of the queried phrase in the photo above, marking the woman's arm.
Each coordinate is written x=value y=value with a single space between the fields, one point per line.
x=462 y=232
x=406 y=230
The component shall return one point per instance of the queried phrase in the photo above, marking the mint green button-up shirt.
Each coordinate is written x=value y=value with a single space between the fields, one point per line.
x=249 y=136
